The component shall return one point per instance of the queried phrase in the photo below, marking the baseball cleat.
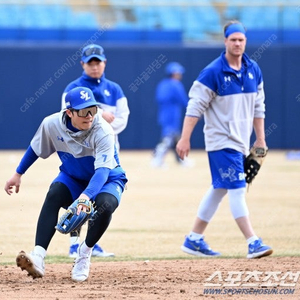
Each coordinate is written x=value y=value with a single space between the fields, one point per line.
x=81 y=267
x=32 y=263
x=258 y=249
x=198 y=248
x=99 y=252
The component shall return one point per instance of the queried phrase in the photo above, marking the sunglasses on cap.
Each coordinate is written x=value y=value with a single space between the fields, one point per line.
x=93 y=50
x=86 y=111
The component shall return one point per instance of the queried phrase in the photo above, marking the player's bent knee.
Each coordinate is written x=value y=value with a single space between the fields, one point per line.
x=59 y=193
x=106 y=203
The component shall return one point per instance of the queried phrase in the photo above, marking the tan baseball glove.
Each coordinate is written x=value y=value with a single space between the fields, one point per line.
x=253 y=162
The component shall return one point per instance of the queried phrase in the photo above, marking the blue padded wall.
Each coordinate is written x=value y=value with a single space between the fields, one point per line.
x=34 y=76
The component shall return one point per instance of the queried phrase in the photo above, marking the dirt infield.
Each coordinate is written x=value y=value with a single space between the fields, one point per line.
x=178 y=279
x=146 y=232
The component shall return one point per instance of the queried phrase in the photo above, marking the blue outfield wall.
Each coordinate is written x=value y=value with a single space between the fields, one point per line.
x=34 y=76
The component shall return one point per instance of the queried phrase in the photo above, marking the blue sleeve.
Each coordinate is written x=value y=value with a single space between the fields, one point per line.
x=119 y=92
x=96 y=183
x=28 y=159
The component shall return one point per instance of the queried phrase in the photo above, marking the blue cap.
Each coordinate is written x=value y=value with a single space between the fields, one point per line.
x=174 y=67
x=79 y=98
x=92 y=51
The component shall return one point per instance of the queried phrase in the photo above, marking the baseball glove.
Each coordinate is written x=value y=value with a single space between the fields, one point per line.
x=253 y=162
x=70 y=221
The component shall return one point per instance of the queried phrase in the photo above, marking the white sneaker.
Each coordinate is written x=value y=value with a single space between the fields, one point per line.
x=158 y=164
x=81 y=267
x=99 y=252
x=187 y=163
x=33 y=263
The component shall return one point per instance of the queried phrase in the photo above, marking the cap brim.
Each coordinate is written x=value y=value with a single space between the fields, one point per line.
x=85 y=105
x=88 y=58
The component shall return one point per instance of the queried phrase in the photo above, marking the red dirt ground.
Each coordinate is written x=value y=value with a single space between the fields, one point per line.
x=139 y=280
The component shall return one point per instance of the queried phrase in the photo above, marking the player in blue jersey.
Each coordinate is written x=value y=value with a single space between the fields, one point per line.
x=229 y=93
x=90 y=170
x=172 y=99
x=113 y=107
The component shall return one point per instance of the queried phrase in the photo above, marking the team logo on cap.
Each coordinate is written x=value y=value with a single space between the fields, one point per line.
x=85 y=95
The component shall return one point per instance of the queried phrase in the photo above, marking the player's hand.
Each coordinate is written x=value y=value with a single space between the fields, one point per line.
x=14 y=181
x=82 y=207
x=260 y=144
x=183 y=148
x=108 y=116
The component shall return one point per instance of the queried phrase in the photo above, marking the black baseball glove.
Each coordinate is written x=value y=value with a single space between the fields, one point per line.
x=253 y=162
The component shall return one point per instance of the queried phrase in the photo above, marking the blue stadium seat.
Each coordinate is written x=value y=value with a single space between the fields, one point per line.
x=232 y=12
x=205 y=18
x=38 y=16
x=10 y=16
x=251 y=17
x=45 y=16
x=197 y=19
x=171 y=17
x=290 y=17
x=194 y=26
x=146 y=17
x=212 y=18
x=265 y=17
x=82 y=20
x=120 y=4
x=270 y=16
x=198 y=2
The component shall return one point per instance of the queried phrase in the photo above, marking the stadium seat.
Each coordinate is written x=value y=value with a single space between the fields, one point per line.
x=290 y=17
x=83 y=20
x=194 y=26
x=251 y=17
x=196 y=19
x=260 y=17
x=10 y=16
x=232 y=12
x=270 y=17
x=205 y=18
x=171 y=17
x=147 y=17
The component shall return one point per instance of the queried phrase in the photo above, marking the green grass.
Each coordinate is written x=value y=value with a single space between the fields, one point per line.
x=60 y=259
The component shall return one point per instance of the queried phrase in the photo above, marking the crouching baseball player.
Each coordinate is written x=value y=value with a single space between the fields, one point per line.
x=90 y=178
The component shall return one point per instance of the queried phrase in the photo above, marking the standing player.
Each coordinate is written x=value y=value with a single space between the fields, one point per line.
x=229 y=93
x=90 y=170
x=171 y=98
x=114 y=109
